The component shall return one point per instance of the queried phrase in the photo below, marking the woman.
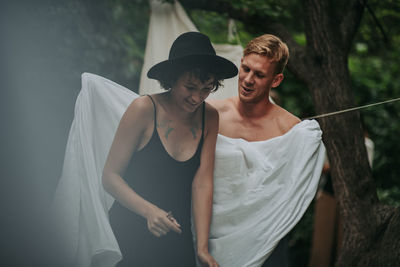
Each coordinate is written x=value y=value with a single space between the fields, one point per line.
x=162 y=160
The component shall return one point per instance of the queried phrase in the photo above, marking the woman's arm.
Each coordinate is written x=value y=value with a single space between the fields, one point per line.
x=202 y=188
x=131 y=135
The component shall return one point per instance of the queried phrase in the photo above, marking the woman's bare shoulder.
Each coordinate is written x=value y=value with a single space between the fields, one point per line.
x=139 y=112
x=211 y=116
x=211 y=110
x=142 y=104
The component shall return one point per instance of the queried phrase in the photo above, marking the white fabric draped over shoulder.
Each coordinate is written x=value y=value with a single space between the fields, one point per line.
x=262 y=189
x=81 y=204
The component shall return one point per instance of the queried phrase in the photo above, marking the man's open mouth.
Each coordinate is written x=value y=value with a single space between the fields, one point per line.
x=247 y=89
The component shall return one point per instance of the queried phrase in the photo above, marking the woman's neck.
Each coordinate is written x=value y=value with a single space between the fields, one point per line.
x=174 y=109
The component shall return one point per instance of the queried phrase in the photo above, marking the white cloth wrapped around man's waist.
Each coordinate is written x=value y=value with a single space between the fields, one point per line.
x=261 y=188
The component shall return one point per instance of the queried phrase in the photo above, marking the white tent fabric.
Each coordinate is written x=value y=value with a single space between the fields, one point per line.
x=167 y=22
x=259 y=193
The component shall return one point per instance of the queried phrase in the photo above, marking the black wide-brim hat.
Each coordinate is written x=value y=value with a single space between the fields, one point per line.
x=193 y=49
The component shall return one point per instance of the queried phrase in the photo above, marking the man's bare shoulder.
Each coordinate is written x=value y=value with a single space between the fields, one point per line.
x=285 y=119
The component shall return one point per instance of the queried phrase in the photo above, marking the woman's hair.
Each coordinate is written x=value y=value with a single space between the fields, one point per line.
x=202 y=73
x=272 y=47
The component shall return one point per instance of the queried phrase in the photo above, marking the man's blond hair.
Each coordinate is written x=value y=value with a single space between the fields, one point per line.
x=272 y=47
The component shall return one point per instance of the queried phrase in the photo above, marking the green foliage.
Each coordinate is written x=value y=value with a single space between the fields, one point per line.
x=300 y=38
x=216 y=27
x=106 y=37
x=212 y=24
x=131 y=23
x=390 y=196
x=273 y=9
x=374 y=65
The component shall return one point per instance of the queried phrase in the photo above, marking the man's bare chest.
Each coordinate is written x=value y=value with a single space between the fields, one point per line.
x=250 y=130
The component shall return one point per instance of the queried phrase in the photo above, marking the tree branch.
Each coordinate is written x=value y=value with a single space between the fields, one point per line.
x=350 y=22
x=376 y=20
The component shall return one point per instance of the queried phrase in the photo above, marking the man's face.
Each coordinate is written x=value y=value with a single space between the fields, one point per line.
x=256 y=78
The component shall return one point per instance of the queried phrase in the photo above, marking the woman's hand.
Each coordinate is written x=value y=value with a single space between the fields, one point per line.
x=206 y=259
x=160 y=222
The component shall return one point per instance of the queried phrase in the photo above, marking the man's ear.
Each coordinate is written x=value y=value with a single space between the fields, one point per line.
x=277 y=80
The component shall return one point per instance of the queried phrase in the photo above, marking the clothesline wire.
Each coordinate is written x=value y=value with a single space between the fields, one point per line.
x=351 y=109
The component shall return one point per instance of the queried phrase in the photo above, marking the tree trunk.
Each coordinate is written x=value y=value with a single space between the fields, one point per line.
x=364 y=220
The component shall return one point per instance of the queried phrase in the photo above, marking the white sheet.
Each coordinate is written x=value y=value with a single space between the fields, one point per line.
x=261 y=188
x=81 y=205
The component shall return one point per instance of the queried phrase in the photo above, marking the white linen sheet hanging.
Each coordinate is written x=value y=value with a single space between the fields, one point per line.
x=81 y=204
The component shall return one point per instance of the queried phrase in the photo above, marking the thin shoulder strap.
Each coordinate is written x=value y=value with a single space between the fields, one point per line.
x=155 y=111
x=202 y=119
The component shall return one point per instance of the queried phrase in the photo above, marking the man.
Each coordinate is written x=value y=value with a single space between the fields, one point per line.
x=251 y=115
x=268 y=162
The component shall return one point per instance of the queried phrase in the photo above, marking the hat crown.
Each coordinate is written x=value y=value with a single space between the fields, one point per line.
x=191 y=43
x=193 y=50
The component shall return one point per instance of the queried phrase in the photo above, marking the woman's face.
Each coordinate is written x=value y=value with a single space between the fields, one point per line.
x=189 y=92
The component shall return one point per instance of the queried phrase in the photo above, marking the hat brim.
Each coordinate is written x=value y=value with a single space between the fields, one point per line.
x=224 y=68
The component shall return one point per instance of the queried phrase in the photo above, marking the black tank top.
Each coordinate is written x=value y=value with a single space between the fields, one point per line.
x=167 y=183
